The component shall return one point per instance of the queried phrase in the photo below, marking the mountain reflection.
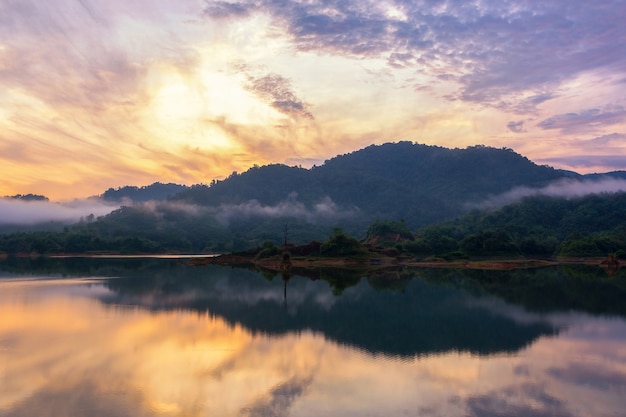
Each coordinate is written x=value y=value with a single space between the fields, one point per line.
x=157 y=337
x=393 y=314
x=400 y=312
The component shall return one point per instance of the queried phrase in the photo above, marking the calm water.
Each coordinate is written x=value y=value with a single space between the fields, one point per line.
x=154 y=337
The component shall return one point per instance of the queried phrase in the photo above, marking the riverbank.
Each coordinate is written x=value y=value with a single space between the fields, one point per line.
x=277 y=263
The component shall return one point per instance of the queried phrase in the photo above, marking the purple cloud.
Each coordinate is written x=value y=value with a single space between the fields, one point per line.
x=608 y=139
x=516 y=127
x=589 y=119
x=615 y=162
x=277 y=91
x=223 y=9
x=491 y=49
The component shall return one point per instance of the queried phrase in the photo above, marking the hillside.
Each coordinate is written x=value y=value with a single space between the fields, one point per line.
x=156 y=191
x=589 y=226
x=423 y=187
x=418 y=183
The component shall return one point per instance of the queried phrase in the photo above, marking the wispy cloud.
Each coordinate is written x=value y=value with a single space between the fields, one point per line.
x=224 y=9
x=609 y=139
x=278 y=401
x=323 y=210
x=20 y=212
x=493 y=50
x=566 y=188
x=278 y=92
x=605 y=162
x=95 y=94
x=587 y=120
x=516 y=127
x=506 y=400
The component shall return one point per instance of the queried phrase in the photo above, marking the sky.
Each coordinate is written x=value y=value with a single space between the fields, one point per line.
x=98 y=94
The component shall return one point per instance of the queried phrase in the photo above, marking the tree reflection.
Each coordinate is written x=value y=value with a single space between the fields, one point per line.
x=399 y=312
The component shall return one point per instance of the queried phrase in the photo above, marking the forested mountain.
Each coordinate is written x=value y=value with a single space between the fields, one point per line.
x=423 y=187
x=418 y=183
x=593 y=225
x=156 y=191
x=28 y=197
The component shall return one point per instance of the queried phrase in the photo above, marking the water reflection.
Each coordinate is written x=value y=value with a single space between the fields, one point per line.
x=413 y=318
x=160 y=338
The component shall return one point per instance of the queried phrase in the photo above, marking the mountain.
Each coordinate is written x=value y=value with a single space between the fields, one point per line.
x=420 y=184
x=27 y=197
x=414 y=185
x=618 y=175
x=156 y=191
x=593 y=225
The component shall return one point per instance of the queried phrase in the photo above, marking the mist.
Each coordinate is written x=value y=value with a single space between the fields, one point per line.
x=27 y=213
x=564 y=188
x=323 y=210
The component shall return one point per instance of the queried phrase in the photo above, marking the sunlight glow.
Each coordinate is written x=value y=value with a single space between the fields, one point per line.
x=189 y=363
x=111 y=85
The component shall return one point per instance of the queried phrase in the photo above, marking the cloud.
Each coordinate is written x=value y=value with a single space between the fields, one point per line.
x=526 y=400
x=279 y=400
x=223 y=9
x=516 y=127
x=527 y=105
x=597 y=376
x=493 y=50
x=601 y=153
x=20 y=212
x=587 y=120
x=323 y=210
x=140 y=91
x=564 y=188
x=613 y=138
x=57 y=53
x=73 y=395
x=606 y=162
x=276 y=90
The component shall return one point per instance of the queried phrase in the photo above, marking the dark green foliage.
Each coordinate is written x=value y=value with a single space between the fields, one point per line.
x=423 y=185
x=563 y=288
x=453 y=256
x=417 y=247
x=268 y=250
x=156 y=191
x=434 y=240
x=388 y=233
x=594 y=225
x=488 y=243
x=341 y=278
x=418 y=183
x=341 y=245
x=585 y=246
x=28 y=197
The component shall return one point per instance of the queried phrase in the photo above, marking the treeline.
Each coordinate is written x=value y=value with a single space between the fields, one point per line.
x=155 y=191
x=422 y=185
x=543 y=227
x=162 y=228
x=418 y=183
x=540 y=226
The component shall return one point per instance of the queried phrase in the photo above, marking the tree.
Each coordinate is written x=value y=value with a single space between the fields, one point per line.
x=341 y=245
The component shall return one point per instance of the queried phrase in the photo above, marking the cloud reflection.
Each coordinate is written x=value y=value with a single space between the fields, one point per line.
x=66 y=354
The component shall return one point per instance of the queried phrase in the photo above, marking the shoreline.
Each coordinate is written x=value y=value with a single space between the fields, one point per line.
x=275 y=263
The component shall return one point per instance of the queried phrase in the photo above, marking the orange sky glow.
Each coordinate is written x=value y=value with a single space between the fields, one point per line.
x=104 y=94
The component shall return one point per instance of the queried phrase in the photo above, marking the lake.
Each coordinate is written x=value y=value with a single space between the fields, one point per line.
x=156 y=337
